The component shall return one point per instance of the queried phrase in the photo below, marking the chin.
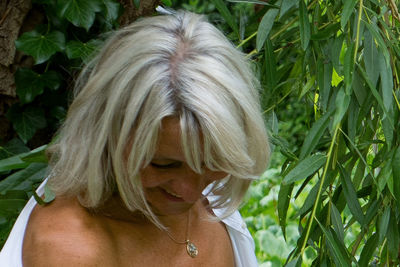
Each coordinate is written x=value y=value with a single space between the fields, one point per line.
x=163 y=204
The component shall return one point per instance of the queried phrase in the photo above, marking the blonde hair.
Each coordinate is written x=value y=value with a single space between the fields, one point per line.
x=170 y=65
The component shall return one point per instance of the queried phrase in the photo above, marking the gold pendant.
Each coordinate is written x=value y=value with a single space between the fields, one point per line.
x=191 y=249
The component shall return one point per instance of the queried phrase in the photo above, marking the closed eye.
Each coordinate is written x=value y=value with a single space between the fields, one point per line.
x=166 y=166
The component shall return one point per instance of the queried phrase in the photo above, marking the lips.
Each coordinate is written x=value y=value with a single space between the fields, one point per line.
x=172 y=195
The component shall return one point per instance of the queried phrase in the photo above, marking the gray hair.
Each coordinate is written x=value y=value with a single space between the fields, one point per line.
x=170 y=65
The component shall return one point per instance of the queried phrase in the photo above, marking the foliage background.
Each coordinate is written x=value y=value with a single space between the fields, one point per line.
x=330 y=93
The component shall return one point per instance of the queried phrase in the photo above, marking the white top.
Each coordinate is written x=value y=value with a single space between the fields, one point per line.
x=242 y=242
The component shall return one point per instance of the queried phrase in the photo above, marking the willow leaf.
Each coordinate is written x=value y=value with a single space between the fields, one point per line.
x=305 y=168
x=305 y=29
x=265 y=27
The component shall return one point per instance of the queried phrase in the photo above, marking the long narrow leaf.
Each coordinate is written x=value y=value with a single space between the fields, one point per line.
x=337 y=222
x=339 y=252
x=305 y=168
x=393 y=238
x=265 y=27
x=226 y=14
x=348 y=9
x=351 y=196
x=383 y=224
x=305 y=29
x=284 y=196
x=368 y=250
x=315 y=134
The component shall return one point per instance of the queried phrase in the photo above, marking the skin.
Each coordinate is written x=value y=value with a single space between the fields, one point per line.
x=66 y=234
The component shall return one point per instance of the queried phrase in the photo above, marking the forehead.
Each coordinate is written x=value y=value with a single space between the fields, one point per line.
x=170 y=143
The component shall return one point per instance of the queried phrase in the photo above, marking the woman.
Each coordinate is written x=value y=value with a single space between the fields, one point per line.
x=157 y=150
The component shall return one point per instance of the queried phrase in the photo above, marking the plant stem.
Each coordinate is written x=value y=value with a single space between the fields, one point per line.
x=329 y=156
x=358 y=29
x=247 y=39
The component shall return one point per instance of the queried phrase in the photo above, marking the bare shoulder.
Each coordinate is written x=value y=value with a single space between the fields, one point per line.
x=63 y=233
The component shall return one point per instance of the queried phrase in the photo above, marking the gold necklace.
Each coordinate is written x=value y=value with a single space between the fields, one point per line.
x=191 y=248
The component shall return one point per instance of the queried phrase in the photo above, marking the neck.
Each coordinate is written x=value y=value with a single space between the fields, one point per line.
x=115 y=209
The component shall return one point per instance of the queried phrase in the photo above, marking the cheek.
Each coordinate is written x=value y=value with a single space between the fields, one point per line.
x=152 y=178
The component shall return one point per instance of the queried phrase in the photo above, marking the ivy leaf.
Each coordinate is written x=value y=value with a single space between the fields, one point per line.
x=110 y=9
x=77 y=49
x=41 y=46
x=31 y=84
x=26 y=122
x=81 y=13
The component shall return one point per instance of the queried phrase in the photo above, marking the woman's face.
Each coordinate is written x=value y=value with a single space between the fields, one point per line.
x=170 y=185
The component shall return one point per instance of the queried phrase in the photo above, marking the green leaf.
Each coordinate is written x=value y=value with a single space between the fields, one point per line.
x=335 y=53
x=12 y=205
x=392 y=236
x=226 y=14
x=305 y=30
x=13 y=147
x=339 y=253
x=14 y=194
x=359 y=88
x=372 y=211
x=304 y=168
x=31 y=84
x=327 y=32
x=310 y=83
x=325 y=85
x=387 y=98
x=111 y=9
x=81 y=13
x=12 y=163
x=48 y=196
x=371 y=58
x=27 y=121
x=265 y=27
x=374 y=30
x=24 y=179
x=383 y=224
x=76 y=49
x=368 y=251
x=270 y=65
x=253 y=2
x=396 y=173
x=351 y=196
x=36 y=155
x=41 y=46
x=167 y=2
x=349 y=68
x=285 y=193
x=376 y=95
x=337 y=223
x=348 y=9
x=342 y=102
x=314 y=135
x=287 y=5
x=23 y=160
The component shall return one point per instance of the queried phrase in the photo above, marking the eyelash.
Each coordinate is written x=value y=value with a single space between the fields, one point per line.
x=166 y=166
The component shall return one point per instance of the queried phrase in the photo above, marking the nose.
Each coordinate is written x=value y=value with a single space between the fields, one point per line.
x=193 y=184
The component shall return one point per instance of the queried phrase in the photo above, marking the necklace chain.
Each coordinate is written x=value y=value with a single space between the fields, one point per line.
x=191 y=248
x=187 y=232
